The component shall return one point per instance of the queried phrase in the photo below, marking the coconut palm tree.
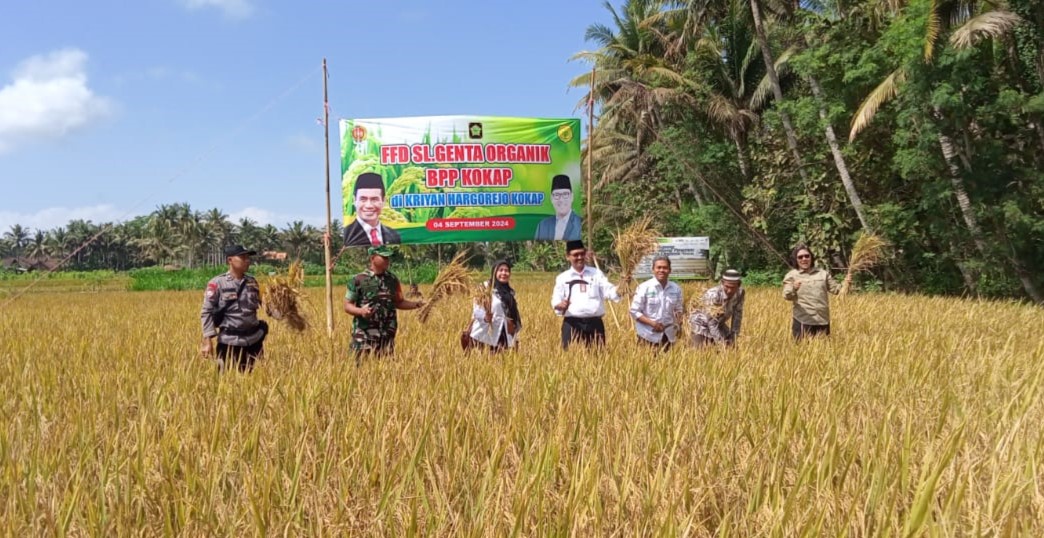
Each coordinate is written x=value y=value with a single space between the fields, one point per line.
x=57 y=240
x=758 y=19
x=37 y=246
x=296 y=238
x=17 y=237
x=968 y=23
x=219 y=233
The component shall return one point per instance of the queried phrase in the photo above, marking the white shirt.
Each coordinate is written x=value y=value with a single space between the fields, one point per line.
x=658 y=303
x=586 y=298
x=366 y=228
x=560 y=226
x=489 y=333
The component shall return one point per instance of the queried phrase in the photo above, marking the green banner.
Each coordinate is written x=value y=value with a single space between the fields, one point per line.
x=444 y=179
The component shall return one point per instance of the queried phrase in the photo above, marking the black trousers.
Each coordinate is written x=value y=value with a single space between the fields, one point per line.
x=588 y=331
x=799 y=330
x=242 y=357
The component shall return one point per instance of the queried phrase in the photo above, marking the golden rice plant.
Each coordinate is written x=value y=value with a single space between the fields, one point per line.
x=281 y=295
x=114 y=425
x=453 y=279
x=636 y=241
x=482 y=295
x=869 y=250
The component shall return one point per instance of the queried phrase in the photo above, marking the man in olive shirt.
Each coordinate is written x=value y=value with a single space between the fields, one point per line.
x=372 y=298
x=809 y=288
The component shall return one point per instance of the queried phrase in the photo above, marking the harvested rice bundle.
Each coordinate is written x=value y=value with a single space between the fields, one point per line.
x=868 y=251
x=282 y=297
x=632 y=244
x=482 y=295
x=451 y=280
x=696 y=304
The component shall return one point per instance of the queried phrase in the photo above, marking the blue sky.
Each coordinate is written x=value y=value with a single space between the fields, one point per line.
x=109 y=108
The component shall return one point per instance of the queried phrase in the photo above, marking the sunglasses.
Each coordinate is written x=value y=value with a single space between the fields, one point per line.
x=804 y=256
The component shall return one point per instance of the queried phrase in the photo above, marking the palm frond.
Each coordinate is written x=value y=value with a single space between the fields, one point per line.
x=761 y=94
x=884 y=91
x=992 y=24
x=931 y=31
x=600 y=34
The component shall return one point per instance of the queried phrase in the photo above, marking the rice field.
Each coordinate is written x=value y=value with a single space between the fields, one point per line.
x=920 y=416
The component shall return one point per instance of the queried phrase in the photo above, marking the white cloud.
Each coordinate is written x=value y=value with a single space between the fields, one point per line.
x=53 y=217
x=48 y=98
x=233 y=9
x=279 y=220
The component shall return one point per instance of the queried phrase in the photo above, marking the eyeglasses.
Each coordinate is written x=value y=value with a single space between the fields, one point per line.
x=804 y=256
x=561 y=195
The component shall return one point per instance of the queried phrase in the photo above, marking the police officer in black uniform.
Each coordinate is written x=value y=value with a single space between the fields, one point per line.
x=230 y=305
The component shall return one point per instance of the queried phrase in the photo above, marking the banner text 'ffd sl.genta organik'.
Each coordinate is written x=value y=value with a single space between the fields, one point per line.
x=443 y=179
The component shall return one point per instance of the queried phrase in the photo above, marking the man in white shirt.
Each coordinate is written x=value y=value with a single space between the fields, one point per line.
x=577 y=297
x=657 y=307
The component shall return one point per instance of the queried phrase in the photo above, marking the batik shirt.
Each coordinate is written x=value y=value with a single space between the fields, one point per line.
x=711 y=320
x=381 y=293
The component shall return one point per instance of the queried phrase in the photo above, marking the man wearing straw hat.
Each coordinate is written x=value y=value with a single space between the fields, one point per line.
x=720 y=304
x=657 y=307
x=372 y=298
x=230 y=304
x=367 y=230
x=578 y=296
x=565 y=225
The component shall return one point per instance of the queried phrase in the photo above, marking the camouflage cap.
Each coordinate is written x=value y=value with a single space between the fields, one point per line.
x=381 y=250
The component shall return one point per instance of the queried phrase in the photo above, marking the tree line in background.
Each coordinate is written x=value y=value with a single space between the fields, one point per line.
x=176 y=235
x=764 y=123
x=171 y=235
x=760 y=123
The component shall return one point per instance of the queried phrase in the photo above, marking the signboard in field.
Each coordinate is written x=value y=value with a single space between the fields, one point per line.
x=689 y=258
x=441 y=179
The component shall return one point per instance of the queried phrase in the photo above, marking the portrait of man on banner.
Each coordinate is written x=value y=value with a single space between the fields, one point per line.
x=565 y=225
x=367 y=230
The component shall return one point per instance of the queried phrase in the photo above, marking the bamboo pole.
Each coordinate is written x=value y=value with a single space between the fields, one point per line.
x=587 y=188
x=329 y=235
x=590 y=158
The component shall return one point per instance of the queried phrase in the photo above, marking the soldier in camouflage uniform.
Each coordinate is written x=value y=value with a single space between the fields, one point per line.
x=230 y=305
x=372 y=298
